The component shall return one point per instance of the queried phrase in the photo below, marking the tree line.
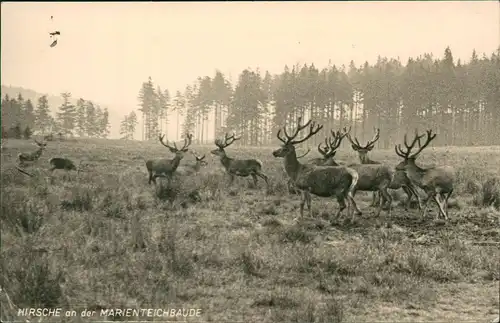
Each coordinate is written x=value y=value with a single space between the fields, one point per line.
x=459 y=100
x=85 y=119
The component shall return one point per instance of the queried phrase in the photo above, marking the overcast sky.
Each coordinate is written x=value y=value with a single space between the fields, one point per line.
x=106 y=50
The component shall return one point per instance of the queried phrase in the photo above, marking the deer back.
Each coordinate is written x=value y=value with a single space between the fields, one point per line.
x=371 y=176
x=442 y=177
x=324 y=181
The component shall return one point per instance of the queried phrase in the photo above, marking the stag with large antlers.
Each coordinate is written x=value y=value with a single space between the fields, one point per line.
x=33 y=156
x=437 y=182
x=167 y=166
x=400 y=180
x=238 y=167
x=330 y=149
x=323 y=181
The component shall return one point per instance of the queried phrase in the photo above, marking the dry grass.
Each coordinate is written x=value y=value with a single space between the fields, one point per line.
x=102 y=239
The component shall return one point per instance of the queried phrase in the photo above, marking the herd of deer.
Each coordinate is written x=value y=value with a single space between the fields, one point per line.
x=322 y=177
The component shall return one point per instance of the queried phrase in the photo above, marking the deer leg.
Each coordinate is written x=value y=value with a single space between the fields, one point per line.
x=409 y=194
x=374 y=198
x=342 y=205
x=414 y=191
x=388 y=198
x=264 y=177
x=437 y=198
x=302 y=203
x=150 y=177
x=446 y=201
x=308 y=201
x=254 y=176
x=231 y=179
x=426 y=204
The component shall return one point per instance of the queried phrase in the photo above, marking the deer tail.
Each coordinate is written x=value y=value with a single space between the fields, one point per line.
x=259 y=162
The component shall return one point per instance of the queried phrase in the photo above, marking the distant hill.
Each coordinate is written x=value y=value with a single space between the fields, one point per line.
x=56 y=101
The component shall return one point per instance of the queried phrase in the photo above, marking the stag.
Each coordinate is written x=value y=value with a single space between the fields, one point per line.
x=190 y=169
x=167 y=166
x=33 y=156
x=57 y=163
x=323 y=181
x=437 y=182
x=331 y=145
x=400 y=180
x=238 y=167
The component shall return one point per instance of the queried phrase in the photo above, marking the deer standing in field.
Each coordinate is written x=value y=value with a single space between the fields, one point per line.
x=238 y=167
x=33 y=156
x=400 y=180
x=371 y=178
x=323 y=181
x=328 y=152
x=437 y=182
x=167 y=166
x=190 y=169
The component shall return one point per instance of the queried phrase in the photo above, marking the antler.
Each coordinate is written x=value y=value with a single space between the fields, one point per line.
x=304 y=154
x=187 y=142
x=333 y=143
x=313 y=129
x=198 y=158
x=228 y=140
x=406 y=154
x=369 y=145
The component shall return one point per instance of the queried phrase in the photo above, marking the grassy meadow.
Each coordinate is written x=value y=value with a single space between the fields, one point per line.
x=101 y=239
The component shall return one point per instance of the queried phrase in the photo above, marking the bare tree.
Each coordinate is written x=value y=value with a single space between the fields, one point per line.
x=338 y=181
x=167 y=166
x=437 y=182
x=238 y=167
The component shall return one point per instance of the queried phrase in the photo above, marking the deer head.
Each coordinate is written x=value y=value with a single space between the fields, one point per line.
x=199 y=160
x=179 y=153
x=408 y=157
x=40 y=144
x=333 y=143
x=228 y=140
x=363 y=150
x=289 y=142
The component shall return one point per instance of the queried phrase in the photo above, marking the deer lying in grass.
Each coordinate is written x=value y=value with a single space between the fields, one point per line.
x=167 y=166
x=323 y=181
x=58 y=163
x=400 y=180
x=437 y=182
x=190 y=169
x=238 y=167
x=328 y=152
x=63 y=164
x=33 y=156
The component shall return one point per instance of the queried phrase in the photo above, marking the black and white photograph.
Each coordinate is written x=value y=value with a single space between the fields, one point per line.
x=247 y=161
